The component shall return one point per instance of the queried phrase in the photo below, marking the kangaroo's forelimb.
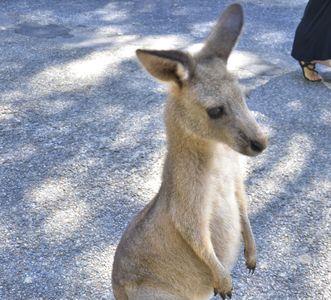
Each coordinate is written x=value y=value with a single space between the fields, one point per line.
x=246 y=230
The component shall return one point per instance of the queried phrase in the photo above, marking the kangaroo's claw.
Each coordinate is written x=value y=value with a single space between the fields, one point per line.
x=223 y=295
x=250 y=261
x=251 y=269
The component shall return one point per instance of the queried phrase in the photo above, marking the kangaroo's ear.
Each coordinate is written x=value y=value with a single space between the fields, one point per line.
x=225 y=33
x=170 y=65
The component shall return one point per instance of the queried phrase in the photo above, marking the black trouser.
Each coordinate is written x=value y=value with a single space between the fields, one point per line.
x=313 y=36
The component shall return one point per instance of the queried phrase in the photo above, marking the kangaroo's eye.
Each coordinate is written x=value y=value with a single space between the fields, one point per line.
x=216 y=112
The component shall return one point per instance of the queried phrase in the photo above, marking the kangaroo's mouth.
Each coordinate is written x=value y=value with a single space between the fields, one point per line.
x=248 y=151
x=251 y=147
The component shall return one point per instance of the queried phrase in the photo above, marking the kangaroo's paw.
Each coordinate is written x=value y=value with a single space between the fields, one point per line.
x=222 y=295
x=250 y=258
x=223 y=287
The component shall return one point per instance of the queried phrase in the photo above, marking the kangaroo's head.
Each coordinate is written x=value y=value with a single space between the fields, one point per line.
x=207 y=101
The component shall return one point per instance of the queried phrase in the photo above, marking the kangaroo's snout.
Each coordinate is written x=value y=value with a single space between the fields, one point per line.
x=258 y=146
x=250 y=139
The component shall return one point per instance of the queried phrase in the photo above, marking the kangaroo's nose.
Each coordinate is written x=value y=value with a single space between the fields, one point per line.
x=257 y=146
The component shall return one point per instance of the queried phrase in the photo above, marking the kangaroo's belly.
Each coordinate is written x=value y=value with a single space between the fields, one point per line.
x=225 y=220
x=226 y=231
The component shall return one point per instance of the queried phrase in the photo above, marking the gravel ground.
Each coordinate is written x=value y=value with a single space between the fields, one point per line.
x=82 y=143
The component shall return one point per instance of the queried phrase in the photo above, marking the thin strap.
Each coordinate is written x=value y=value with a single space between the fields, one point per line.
x=310 y=66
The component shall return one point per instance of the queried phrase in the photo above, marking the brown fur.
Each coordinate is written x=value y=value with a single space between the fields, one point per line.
x=183 y=244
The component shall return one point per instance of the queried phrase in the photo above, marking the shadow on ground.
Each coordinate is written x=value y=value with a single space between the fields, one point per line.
x=82 y=142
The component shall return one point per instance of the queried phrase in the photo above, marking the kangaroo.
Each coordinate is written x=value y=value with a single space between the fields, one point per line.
x=184 y=243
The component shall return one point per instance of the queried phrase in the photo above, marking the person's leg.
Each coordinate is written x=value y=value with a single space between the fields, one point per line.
x=323 y=62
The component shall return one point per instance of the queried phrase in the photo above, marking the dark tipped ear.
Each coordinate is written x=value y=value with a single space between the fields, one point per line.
x=170 y=65
x=225 y=33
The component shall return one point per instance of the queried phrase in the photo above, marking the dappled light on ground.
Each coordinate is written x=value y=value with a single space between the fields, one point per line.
x=5 y=236
x=96 y=264
x=288 y=167
x=64 y=221
x=82 y=143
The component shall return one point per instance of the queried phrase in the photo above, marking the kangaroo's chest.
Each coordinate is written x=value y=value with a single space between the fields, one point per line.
x=225 y=216
x=226 y=172
x=223 y=194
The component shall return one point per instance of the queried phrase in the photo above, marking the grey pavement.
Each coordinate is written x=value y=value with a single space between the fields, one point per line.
x=82 y=143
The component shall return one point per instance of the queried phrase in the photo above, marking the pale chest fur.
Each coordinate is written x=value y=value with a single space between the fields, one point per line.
x=227 y=170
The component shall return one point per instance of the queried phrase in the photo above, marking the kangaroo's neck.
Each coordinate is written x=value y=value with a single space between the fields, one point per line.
x=188 y=162
x=187 y=150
